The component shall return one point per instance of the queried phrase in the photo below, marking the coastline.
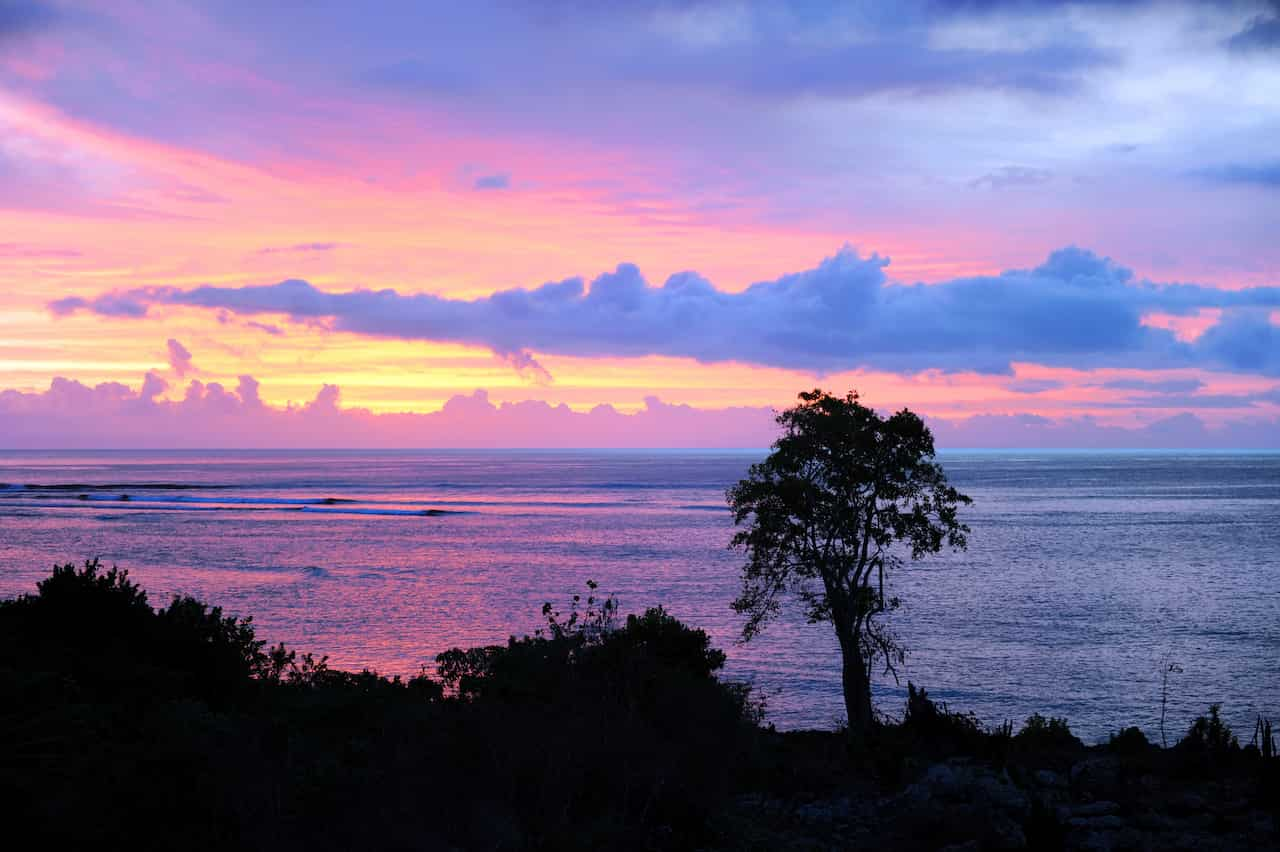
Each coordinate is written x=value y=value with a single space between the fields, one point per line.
x=140 y=723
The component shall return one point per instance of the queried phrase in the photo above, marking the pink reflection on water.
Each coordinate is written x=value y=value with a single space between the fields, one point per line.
x=1081 y=566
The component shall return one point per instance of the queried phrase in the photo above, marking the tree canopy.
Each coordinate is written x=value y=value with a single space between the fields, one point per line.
x=845 y=496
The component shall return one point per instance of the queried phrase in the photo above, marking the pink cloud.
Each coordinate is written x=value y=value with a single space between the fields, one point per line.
x=1187 y=329
x=73 y=415
x=112 y=415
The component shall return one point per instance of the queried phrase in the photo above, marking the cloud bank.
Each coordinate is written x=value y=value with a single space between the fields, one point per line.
x=757 y=51
x=112 y=415
x=72 y=415
x=1076 y=309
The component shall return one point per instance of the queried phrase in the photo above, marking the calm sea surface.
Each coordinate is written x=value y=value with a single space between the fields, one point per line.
x=1083 y=572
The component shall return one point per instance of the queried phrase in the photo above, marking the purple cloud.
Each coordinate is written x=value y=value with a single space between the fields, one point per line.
x=1261 y=33
x=179 y=358
x=1032 y=386
x=528 y=367
x=1160 y=386
x=21 y=17
x=498 y=181
x=1077 y=309
x=110 y=305
x=1013 y=176
x=1255 y=174
x=1181 y=431
x=891 y=53
x=266 y=328
x=298 y=248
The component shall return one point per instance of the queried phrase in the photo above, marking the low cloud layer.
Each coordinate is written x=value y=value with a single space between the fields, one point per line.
x=1076 y=309
x=112 y=415
x=72 y=415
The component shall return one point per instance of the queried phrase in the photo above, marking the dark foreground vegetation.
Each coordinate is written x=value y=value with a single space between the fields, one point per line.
x=129 y=727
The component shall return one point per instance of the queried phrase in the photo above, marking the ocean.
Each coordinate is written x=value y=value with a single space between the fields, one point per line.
x=1086 y=571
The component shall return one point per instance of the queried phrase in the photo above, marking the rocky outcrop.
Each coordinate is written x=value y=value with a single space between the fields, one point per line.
x=1097 y=803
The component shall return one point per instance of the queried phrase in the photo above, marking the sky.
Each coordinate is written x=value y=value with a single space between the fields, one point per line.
x=637 y=224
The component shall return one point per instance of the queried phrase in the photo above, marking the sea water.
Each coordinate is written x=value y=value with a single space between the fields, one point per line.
x=1086 y=574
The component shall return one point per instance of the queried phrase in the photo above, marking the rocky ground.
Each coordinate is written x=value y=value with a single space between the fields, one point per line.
x=1073 y=799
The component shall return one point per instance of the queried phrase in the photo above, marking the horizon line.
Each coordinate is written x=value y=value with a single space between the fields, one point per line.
x=407 y=449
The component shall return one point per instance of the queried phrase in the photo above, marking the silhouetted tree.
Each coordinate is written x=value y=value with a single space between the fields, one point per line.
x=843 y=496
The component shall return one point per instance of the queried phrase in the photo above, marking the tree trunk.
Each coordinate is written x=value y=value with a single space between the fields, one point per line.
x=857 y=690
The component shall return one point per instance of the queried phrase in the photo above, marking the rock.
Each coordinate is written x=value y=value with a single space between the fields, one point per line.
x=825 y=811
x=1048 y=778
x=1093 y=843
x=967 y=846
x=964 y=804
x=1093 y=773
x=1188 y=803
x=1093 y=809
x=1153 y=821
x=1149 y=783
x=940 y=775
x=959 y=783
x=1004 y=833
x=1097 y=823
x=1125 y=838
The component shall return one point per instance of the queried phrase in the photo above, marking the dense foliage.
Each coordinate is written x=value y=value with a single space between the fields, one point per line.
x=124 y=723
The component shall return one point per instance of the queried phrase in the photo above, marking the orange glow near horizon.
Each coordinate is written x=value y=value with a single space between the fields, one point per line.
x=150 y=214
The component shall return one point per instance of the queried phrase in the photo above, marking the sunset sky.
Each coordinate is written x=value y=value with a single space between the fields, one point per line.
x=1039 y=225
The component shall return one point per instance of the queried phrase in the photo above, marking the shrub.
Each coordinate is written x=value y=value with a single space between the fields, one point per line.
x=1130 y=740
x=97 y=628
x=1210 y=735
x=660 y=637
x=1051 y=732
x=589 y=654
x=219 y=654
x=927 y=718
x=595 y=732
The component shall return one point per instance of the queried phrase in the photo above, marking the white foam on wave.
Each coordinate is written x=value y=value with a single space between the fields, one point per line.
x=129 y=505
x=247 y=504
x=355 y=510
x=234 y=501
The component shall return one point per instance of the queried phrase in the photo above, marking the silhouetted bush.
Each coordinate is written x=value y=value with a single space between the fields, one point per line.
x=1129 y=741
x=925 y=718
x=1209 y=735
x=136 y=723
x=639 y=665
x=619 y=705
x=1042 y=732
x=98 y=627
